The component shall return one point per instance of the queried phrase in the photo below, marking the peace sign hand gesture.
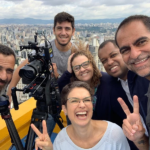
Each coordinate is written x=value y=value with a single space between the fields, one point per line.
x=132 y=125
x=43 y=141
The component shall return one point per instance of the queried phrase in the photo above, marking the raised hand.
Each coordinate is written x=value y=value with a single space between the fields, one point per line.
x=132 y=125
x=69 y=64
x=43 y=140
x=55 y=70
x=56 y=74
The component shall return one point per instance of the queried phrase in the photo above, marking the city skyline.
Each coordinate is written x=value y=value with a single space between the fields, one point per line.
x=92 y=9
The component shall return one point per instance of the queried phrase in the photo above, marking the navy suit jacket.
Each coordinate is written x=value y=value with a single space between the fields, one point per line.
x=137 y=86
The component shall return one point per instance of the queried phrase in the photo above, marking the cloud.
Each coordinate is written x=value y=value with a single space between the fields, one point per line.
x=80 y=9
x=89 y=3
x=14 y=1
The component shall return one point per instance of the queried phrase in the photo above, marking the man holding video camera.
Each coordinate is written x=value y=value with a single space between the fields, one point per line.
x=61 y=46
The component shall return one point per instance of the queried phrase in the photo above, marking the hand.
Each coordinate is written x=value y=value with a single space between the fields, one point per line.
x=132 y=125
x=56 y=74
x=43 y=140
x=69 y=63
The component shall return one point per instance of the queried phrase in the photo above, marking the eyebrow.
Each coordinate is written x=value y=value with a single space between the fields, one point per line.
x=124 y=47
x=78 y=98
x=141 y=38
x=134 y=43
x=109 y=55
x=9 y=69
x=80 y=64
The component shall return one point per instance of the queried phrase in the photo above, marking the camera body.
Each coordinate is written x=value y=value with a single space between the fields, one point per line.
x=41 y=82
x=39 y=62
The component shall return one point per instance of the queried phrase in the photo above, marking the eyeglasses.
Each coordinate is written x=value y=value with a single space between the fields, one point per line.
x=84 y=65
x=75 y=100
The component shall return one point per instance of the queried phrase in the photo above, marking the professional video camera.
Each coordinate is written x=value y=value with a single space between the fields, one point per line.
x=41 y=84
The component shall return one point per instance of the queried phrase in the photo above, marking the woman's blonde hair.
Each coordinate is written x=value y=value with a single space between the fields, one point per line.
x=81 y=49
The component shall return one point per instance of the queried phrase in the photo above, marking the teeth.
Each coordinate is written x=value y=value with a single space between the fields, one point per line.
x=81 y=113
x=114 y=68
x=84 y=74
x=140 y=61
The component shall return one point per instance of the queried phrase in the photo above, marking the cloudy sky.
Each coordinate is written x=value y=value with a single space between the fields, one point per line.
x=80 y=9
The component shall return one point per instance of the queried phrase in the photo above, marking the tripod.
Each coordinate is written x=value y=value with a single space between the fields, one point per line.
x=46 y=97
x=5 y=114
x=37 y=117
x=39 y=114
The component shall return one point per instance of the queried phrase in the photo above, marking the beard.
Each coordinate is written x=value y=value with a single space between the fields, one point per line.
x=5 y=84
x=62 y=44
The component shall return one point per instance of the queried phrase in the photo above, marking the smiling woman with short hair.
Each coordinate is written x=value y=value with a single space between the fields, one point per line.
x=83 y=133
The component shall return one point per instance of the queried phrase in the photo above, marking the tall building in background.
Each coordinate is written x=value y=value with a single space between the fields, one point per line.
x=93 y=47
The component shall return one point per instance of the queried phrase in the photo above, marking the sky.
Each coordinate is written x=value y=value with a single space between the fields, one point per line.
x=80 y=9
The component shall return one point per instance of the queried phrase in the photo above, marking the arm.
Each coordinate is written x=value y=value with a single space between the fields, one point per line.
x=65 y=78
x=15 y=78
x=142 y=143
x=132 y=125
x=56 y=74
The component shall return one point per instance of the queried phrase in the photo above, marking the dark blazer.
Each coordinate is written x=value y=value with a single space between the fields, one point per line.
x=137 y=86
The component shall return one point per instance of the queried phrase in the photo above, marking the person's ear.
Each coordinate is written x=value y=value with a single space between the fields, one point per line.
x=73 y=31
x=64 y=109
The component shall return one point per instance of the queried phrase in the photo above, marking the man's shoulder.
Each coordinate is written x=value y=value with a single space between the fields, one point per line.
x=108 y=78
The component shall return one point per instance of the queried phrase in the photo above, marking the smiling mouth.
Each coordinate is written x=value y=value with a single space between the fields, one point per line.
x=63 y=38
x=113 y=69
x=84 y=74
x=2 y=83
x=81 y=115
x=141 y=61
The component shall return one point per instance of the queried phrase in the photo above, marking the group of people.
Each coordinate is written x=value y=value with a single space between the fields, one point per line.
x=104 y=110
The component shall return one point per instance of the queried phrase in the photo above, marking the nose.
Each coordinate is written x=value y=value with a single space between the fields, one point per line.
x=63 y=31
x=82 y=69
x=3 y=75
x=81 y=104
x=134 y=52
x=110 y=61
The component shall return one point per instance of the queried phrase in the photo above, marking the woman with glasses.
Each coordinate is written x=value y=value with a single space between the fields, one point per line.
x=83 y=133
x=82 y=67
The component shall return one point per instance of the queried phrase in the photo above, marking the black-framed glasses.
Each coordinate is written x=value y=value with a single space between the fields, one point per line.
x=84 y=65
x=75 y=100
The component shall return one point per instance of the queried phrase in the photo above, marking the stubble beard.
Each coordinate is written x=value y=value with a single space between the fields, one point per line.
x=65 y=44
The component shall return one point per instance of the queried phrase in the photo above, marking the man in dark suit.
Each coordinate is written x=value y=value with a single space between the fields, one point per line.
x=124 y=83
x=133 y=39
